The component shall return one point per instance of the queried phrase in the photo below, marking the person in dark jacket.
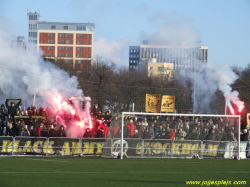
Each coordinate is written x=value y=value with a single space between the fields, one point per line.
x=101 y=133
x=244 y=135
x=61 y=132
x=87 y=134
x=52 y=131
x=13 y=107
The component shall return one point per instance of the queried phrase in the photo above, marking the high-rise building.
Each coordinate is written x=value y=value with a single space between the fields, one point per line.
x=18 y=41
x=71 y=42
x=181 y=56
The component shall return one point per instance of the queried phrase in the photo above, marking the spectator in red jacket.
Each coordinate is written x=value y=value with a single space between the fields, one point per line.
x=131 y=128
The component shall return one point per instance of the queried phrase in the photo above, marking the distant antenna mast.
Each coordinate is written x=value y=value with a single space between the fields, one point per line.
x=27 y=9
x=39 y=11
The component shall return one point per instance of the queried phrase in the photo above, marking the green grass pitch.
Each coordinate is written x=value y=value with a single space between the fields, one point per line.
x=101 y=172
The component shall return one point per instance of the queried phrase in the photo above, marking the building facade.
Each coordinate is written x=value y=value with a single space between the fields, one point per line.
x=18 y=41
x=71 y=42
x=181 y=56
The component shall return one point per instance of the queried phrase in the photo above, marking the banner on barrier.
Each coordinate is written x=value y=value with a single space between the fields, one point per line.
x=63 y=146
x=131 y=147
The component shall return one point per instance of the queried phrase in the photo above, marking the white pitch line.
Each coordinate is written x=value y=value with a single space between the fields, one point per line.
x=77 y=162
x=132 y=172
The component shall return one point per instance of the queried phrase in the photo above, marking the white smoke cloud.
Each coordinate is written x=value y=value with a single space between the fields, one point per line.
x=24 y=74
x=172 y=28
x=207 y=79
x=112 y=50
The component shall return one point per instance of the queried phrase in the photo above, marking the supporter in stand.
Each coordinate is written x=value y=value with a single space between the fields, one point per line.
x=52 y=131
x=101 y=133
x=146 y=134
x=87 y=134
x=42 y=112
x=115 y=127
x=160 y=132
x=12 y=108
x=15 y=128
x=140 y=129
x=61 y=132
x=152 y=130
x=3 y=113
x=131 y=128
x=136 y=135
x=95 y=110
x=145 y=123
x=35 y=123
x=39 y=129
x=173 y=134
x=25 y=131
x=33 y=131
x=44 y=131
x=244 y=135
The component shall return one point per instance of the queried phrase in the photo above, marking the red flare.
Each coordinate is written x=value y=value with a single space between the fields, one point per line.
x=232 y=111
x=240 y=108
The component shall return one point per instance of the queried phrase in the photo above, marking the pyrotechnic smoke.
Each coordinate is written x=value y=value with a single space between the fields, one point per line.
x=113 y=50
x=25 y=74
x=207 y=79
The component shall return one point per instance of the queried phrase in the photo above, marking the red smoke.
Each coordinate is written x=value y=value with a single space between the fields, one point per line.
x=72 y=116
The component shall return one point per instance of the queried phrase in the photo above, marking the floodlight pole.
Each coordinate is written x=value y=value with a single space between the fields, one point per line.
x=121 y=146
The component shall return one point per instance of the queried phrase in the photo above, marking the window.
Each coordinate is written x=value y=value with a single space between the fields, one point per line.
x=50 y=48
x=81 y=27
x=69 y=35
x=88 y=35
x=61 y=48
x=65 y=27
x=62 y=54
x=62 y=41
x=42 y=48
x=88 y=56
x=80 y=42
x=53 y=27
x=80 y=35
x=50 y=41
x=42 y=34
x=88 y=49
x=68 y=48
x=68 y=41
x=162 y=69
x=62 y=35
x=68 y=61
x=50 y=35
x=68 y=55
x=79 y=55
x=42 y=41
x=150 y=67
x=50 y=54
x=80 y=48
x=88 y=42
x=79 y=61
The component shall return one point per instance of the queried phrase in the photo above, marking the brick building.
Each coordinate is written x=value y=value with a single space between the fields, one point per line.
x=71 y=42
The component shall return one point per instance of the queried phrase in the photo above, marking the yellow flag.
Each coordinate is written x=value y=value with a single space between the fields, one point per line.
x=168 y=103
x=153 y=103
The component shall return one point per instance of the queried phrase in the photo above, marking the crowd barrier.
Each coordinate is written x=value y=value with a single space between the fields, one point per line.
x=110 y=147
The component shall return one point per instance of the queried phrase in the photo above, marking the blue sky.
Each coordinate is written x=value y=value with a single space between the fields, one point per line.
x=222 y=25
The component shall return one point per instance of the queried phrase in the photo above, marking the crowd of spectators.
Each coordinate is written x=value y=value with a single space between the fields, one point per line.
x=184 y=128
x=13 y=123
x=20 y=121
